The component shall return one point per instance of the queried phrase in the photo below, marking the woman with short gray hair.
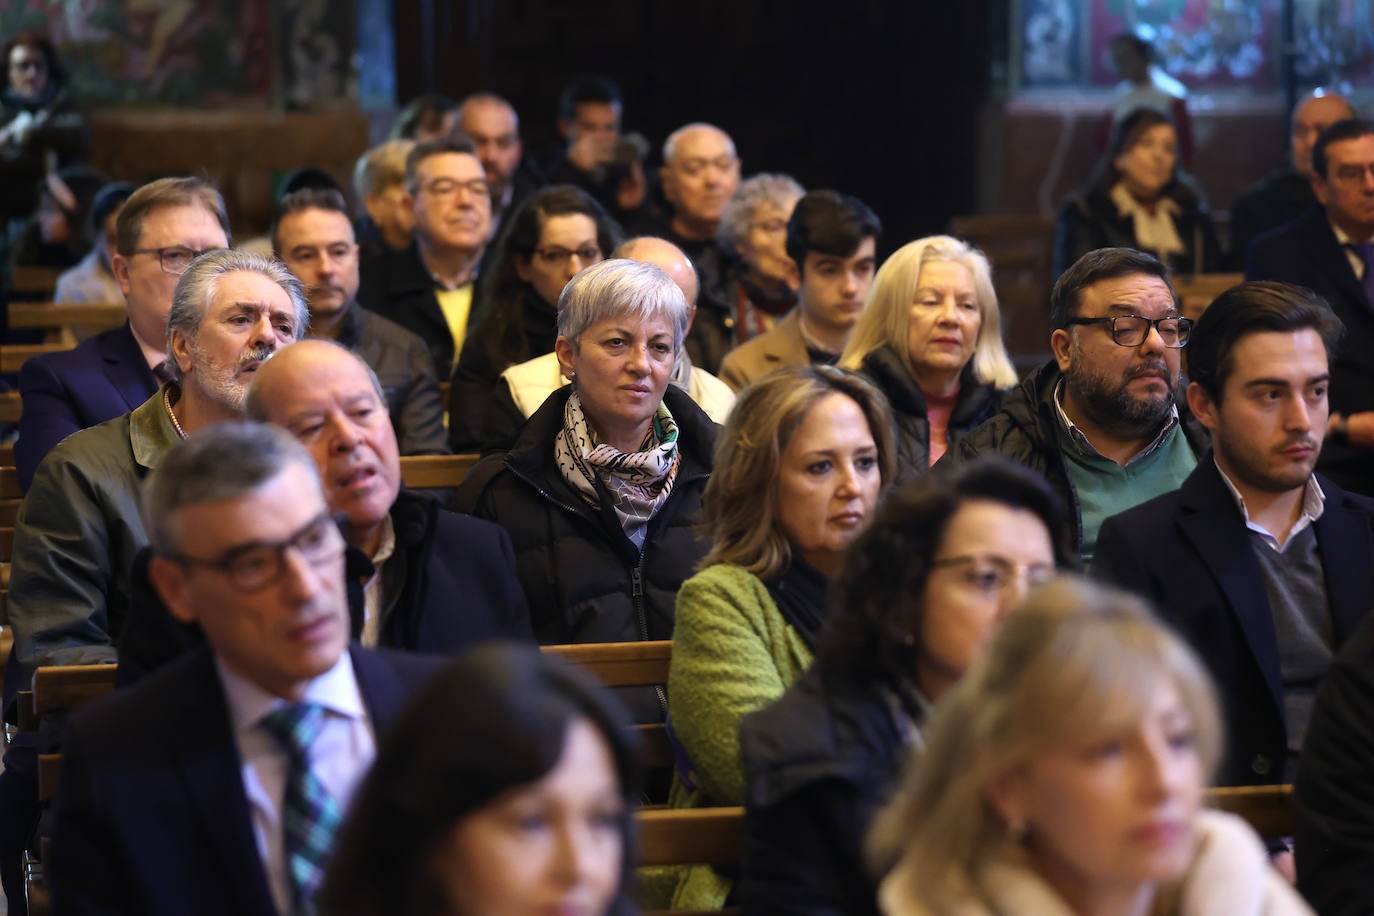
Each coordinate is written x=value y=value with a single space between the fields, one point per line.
x=601 y=492
x=761 y=283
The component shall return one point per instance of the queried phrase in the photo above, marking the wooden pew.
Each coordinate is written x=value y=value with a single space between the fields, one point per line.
x=1268 y=809
x=1020 y=248
x=49 y=315
x=13 y=356
x=65 y=689
x=435 y=472
x=34 y=281
x=702 y=836
x=1197 y=291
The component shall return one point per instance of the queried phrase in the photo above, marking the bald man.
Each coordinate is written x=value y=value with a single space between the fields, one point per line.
x=700 y=173
x=421 y=578
x=1282 y=196
x=522 y=388
x=494 y=127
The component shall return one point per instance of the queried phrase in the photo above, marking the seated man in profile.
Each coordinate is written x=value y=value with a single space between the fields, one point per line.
x=420 y=578
x=215 y=785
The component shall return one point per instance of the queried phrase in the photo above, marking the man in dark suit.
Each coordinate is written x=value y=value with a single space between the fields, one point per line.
x=408 y=558
x=428 y=288
x=160 y=228
x=1262 y=565
x=1330 y=250
x=1286 y=194
x=215 y=785
x=494 y=128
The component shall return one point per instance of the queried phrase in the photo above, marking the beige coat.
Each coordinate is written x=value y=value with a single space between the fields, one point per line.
x=782 y=346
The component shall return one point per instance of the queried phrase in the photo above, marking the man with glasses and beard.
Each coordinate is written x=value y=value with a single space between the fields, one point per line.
x=1258 y=562
x=1101 y=421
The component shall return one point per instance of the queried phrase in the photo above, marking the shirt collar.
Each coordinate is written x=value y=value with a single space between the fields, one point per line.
x=385 y=547
x=336 y=690
x=1313 y=504
x=1086 y=447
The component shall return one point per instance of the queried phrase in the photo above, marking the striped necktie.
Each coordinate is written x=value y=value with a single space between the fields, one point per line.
x=310 y=815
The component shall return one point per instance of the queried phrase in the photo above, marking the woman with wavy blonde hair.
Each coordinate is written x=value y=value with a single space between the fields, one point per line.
x=1064 y=776
x=930 y=337
x=795 y=480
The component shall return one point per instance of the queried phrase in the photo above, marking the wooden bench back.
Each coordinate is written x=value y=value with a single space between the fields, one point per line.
x=51 y=315
x=435 y=472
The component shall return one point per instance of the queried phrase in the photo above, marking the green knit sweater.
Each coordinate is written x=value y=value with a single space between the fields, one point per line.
x=733 y=653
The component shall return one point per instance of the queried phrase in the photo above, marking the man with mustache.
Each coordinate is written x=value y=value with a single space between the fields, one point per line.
x=1257 y=561
x=82 y=522
x=428 y=288
x=314 y=238
x=1101 y=421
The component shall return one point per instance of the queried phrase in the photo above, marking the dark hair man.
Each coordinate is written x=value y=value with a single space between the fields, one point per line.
x=832 y=237
x=1330 y=250
x=1101 y=420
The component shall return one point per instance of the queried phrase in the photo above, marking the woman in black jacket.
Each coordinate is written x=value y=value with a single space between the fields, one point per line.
x=1139 y=200
x=556 y=232
x=601 y=494
x=919 y=593
x=930 y=337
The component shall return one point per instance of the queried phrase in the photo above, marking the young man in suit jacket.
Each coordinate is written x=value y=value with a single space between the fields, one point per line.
x=1262 y=565
x=195 y=790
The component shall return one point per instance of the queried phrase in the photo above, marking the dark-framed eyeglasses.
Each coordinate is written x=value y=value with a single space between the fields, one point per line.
x=1131 y=330
x=254 y=566
x=174 y=259
x=992 y=574
x=587 y=254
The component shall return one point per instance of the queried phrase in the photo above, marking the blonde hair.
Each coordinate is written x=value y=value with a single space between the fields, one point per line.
x=739 y=506
x=1095 y=657
x=887 y=314
x=381 y=167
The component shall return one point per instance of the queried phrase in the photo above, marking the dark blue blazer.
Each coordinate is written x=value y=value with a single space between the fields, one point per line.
x=1306 y=252
x=151 y=813
x=102 y=378
x=1190 y=553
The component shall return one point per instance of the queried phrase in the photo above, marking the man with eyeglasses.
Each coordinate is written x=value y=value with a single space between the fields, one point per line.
x=1330 y=250
x=1102 y=421
x=81 y=524
x=160 y=229
x=1262 y=565
x=313 y=236
x=428 y=288
x=217 y=784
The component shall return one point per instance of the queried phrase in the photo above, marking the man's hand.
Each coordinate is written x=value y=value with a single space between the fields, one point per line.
x=589 y=152
x=630 y=193
x=1359 y=429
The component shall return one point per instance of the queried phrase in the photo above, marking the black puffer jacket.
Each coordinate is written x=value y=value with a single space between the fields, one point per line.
x=1025 y=431
x=977 y=403
x=1091 y=220
x=819 y=763
x=585 y=581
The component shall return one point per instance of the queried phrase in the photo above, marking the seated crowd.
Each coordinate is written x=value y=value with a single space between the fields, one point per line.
x=708 y=411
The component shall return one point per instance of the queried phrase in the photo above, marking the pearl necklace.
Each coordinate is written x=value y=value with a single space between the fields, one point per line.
x=167 y=401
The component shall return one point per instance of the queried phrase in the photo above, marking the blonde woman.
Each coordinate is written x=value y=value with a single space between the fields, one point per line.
x=1063 y=776
x=930 y=337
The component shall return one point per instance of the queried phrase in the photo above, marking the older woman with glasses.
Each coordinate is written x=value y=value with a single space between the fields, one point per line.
x=601 y=492
x=761 y=282
x=930 y=336
x=555 y=233
x=1064 y=776
x=917 y=596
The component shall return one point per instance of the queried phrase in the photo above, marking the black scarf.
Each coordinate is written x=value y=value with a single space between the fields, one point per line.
x=800 y=594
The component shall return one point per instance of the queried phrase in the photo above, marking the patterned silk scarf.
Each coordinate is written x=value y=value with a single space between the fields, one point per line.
x=638 y=484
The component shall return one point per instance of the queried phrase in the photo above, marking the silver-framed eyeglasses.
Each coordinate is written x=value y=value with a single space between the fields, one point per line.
x=1131 y=330
x=174 y=259
x=993 y=574
x=256 y=565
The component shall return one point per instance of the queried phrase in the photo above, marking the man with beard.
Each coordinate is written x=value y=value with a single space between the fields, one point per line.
x=314 y=238
x=82 y=521
x=1101 y=421
x=1262 y=565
